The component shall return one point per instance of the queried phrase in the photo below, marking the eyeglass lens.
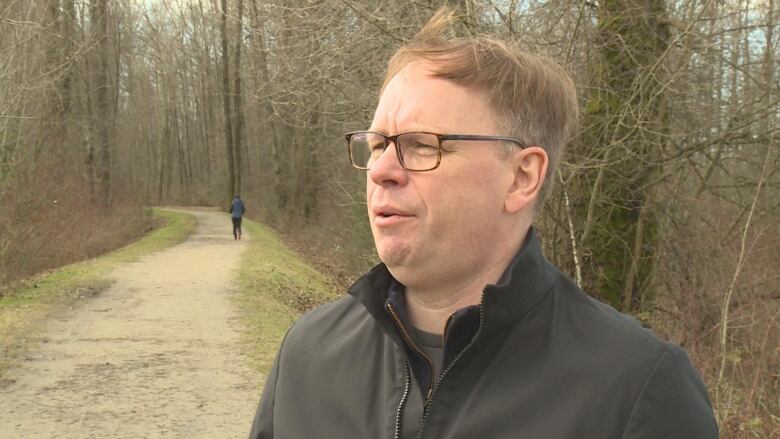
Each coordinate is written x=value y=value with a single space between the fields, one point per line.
x=419 y=151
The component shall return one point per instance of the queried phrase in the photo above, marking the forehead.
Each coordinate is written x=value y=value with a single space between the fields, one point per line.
x=415 y=100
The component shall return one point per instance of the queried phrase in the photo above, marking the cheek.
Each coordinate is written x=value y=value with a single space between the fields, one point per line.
x=475 y=198
x=465 y=207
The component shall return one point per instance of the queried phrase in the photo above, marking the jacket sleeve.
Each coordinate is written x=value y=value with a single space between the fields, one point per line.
x=263 y=424
x=673 y=403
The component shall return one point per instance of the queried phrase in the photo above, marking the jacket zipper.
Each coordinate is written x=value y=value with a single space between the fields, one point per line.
x=401 y=403
x=410 y=342
x=429 y=402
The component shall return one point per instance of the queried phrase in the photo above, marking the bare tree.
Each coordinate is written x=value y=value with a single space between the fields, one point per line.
x=237 y=119
x=229 y=142
x=102 y=86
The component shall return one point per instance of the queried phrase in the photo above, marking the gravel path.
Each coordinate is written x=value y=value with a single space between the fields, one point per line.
x=155 y=355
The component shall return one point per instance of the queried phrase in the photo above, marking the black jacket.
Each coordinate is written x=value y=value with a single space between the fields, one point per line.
x=538 y=359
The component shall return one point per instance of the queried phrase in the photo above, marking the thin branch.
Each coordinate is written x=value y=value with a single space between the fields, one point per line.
x=373 y=22
x=724 y=320
x=574 y=251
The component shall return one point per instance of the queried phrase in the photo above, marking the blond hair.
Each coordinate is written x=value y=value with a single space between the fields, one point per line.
x=533 y=94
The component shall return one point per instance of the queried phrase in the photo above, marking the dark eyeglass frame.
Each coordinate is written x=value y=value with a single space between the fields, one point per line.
x=441 y=138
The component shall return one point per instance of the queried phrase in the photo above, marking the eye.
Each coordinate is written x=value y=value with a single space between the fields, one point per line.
x=421 y=143
x=376 y=145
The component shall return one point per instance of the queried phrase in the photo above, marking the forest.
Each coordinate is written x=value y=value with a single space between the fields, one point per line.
x=666 y=201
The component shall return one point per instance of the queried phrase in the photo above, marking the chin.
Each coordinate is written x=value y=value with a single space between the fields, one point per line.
x=393 y=254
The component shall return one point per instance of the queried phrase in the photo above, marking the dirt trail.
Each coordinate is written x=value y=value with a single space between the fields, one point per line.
x=156 y=355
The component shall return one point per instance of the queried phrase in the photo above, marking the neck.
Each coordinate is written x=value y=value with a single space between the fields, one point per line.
x=429 y=311
x=430 y=308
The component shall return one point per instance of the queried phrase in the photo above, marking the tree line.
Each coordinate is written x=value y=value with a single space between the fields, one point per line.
x=665 y=203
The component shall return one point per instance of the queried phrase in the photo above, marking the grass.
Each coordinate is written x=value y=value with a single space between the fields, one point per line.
x=33 y=300
x=275 y=286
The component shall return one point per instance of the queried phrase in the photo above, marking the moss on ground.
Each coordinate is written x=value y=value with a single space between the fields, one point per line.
x=275 y=287
x=32 y=301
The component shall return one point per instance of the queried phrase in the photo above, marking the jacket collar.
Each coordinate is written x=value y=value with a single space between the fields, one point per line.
x=524 y=283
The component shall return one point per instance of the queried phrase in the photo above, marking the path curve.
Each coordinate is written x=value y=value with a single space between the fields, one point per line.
x=155 y=355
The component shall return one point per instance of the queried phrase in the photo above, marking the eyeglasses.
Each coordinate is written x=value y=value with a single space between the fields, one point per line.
x=416 y=151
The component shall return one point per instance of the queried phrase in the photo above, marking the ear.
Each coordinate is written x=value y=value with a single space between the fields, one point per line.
x=530 y=167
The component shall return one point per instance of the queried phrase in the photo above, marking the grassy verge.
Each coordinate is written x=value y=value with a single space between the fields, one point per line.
x=275 y=286
x=32 y=301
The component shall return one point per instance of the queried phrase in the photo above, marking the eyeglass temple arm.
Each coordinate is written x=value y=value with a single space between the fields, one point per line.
x=478 y=137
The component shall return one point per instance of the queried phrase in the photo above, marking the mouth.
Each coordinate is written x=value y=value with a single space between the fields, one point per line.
x=385 y=211
x=385 y=216
x=389 y=214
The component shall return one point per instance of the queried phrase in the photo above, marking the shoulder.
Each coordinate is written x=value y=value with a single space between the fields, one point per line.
x=607 y=343
x=600 y=326
x=340 y=339
x=331 y=315
x=673 y=402
x=333 y=325
x=667 y=396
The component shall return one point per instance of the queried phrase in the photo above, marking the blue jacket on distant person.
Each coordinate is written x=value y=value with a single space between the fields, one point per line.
x=237 y=209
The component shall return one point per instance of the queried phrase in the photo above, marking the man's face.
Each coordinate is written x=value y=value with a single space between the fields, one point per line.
x=437 y=226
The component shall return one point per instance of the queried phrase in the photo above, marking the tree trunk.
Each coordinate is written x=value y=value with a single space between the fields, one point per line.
x=103 y=113
x=269 y=165
x=231 y=183
x=626 y=131
x=238 y=112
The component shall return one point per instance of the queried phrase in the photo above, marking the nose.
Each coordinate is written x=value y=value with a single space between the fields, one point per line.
x=387 y=169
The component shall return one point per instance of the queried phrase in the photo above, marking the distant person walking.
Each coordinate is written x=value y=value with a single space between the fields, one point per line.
x=237 y=210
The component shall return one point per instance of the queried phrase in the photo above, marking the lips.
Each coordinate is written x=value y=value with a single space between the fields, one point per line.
x=389 y=211
x=389 y=215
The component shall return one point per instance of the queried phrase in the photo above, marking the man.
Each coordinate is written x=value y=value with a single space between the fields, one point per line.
x=237 y=210
x=465 y=330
